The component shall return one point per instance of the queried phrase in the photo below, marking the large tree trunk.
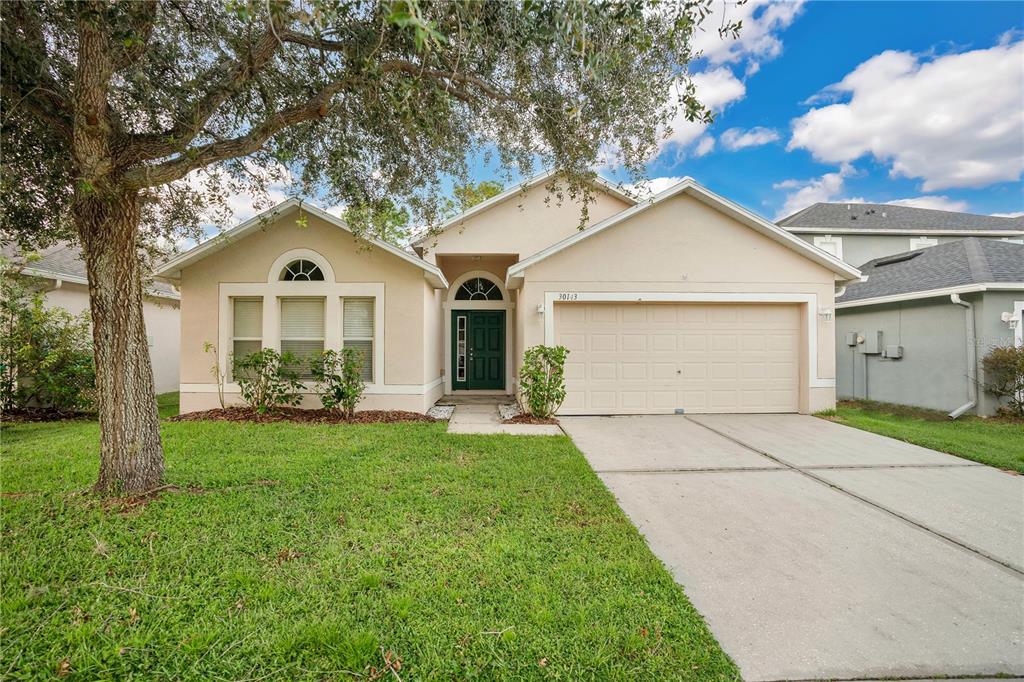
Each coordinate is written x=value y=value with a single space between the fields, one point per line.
x=131 y=456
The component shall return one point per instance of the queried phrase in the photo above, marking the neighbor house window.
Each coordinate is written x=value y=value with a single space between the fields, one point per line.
x=246 y=328
x=922 y=243
x=302 y=331
x=302 y=271
x=357 y=330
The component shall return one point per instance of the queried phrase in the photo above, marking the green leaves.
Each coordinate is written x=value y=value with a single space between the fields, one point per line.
x=542 y=379
x=405 y=14
x=266 y=379
x=339 y=379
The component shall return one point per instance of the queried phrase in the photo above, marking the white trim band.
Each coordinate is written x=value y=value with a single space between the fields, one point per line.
x=931 y=293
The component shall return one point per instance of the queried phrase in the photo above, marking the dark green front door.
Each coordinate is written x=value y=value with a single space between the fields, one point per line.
x=478 y=349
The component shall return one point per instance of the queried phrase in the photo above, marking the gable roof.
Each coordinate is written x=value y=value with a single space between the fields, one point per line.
x=970 y=264
x=693 y=188
x=171 y=269
x=892 y=219
x=517 y=189
x=63 y=261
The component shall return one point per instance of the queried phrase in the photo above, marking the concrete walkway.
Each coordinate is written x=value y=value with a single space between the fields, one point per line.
x=480 y=415
x=818 y=551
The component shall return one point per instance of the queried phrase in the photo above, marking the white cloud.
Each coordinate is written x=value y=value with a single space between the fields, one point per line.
x=756 y=42
x=737 y=138
x=652 y=186
x=715 y=89
x=704 y=146
x=937 y=202
x=807 y=192
x=953 y=121
x=1018 y=214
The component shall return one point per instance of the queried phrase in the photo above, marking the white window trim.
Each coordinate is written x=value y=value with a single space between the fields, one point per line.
x=810 y=302
x=331 y=292
x=829 y=239
x=922 y=243
x=1018 y=331
x=280 y=303
x=229 y=347
x=373 y=339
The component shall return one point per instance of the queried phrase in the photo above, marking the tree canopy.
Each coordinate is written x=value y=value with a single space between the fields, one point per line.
x=193 y=102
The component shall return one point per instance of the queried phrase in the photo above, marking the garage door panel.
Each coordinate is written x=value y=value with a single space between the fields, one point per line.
x=636 y=358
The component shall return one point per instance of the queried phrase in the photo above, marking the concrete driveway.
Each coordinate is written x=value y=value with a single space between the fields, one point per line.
x=817 y=551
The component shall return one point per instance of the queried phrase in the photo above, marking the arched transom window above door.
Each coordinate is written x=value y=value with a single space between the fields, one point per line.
x=302 y=270
x=478 y=289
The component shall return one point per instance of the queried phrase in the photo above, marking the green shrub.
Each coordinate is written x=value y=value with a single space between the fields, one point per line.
x=542 y=379
x=339 y=381
x=1004 y=377
x=45 y=353
x=266 y=380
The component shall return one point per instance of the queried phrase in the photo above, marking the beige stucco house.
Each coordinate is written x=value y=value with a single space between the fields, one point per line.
x=682 y=302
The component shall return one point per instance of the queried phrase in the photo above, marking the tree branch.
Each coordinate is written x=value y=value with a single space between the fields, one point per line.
x=223 y=81
x=243 y=145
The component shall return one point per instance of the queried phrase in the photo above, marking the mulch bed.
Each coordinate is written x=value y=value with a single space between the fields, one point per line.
x=529 y=419
x=299 y=415
x=41 y=414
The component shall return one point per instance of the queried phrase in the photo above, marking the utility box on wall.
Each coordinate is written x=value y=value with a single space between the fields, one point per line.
x=893 y=352
x=851 y=339
x=872 y=343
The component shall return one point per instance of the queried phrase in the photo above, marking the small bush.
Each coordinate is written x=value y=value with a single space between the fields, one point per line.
x=339 y=382
x=542 y=379
x=46 y=355
x=1004 y=377
x=266 y=381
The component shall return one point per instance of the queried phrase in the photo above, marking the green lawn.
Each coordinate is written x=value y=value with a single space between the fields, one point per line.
x=167 y=404
x=312 y=552
x=996 y=442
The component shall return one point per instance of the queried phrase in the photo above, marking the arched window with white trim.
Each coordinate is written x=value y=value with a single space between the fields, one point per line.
x=478 y=289
x=302 y=270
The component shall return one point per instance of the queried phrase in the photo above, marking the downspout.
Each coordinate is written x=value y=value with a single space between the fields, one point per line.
x=972 y=358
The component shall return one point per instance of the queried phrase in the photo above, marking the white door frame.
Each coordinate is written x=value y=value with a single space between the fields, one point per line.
x=450 y=305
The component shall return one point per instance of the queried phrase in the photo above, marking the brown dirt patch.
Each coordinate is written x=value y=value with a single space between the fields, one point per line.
x=298 y=415
x=43 y=414
x=529 y=419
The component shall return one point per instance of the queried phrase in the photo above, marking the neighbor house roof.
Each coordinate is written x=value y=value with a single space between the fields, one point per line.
x=693 y=188
x=516 y=190
x=64 y=262
x=172 y=268
x=890 y=219
x=960 y=266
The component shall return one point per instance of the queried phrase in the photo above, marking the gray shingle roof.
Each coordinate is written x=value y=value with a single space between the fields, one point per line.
x=65 y=259
x=850 y=216
x=962 y=262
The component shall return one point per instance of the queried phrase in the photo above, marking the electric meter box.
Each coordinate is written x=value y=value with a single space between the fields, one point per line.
x=872 y=343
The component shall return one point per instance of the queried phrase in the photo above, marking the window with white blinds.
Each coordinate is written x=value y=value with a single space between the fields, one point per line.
x=246 y=328
x=302 y=331
x=357 y=330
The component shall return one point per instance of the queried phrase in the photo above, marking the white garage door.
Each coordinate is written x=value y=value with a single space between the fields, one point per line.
x=651 y=358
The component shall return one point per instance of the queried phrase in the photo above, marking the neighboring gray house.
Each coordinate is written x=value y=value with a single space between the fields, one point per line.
x=916 y=329
x=858 y=233
x=60 y=274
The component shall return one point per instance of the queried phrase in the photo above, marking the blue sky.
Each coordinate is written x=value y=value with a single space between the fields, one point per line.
x=930 y=110
x=920 y=103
